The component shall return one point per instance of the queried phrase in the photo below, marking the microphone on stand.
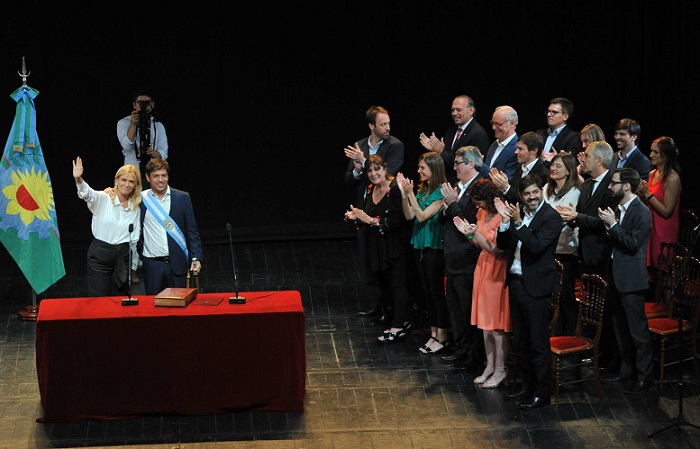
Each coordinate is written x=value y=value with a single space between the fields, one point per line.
x=129 y=301
x=234 y=299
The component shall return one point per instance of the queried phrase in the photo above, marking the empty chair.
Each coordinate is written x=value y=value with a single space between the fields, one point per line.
x=581 y=350
x=684 y=312
x=688 y=222
x=664 y=279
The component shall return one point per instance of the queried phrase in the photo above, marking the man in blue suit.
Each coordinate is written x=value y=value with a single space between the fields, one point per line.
x=170 y=239
x=501 y=153
x=628 y=154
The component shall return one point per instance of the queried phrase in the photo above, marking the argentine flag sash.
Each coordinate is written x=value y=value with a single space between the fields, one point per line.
x=164 y=219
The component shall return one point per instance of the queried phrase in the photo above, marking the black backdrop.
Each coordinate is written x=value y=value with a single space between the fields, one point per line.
x=259 y=100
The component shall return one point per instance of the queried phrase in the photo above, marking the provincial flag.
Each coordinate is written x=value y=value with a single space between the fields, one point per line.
x=28 y=223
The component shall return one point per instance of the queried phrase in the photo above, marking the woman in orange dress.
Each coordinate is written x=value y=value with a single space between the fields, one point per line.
x=490 y=307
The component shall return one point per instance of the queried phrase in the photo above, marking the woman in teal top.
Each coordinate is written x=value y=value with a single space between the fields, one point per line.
x=425 y=206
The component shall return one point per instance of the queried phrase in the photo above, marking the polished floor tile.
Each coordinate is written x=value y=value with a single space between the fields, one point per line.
x=360 y=394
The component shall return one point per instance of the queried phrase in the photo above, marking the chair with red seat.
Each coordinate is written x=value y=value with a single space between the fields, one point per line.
x=684 y=314
x=581 y=349
x=664 y=279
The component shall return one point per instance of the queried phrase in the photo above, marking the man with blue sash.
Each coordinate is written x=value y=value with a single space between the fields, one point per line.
x=171 y=244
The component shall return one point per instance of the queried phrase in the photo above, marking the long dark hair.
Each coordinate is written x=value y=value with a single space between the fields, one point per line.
x=667 y=147
x=572 y=181
x=437 y=172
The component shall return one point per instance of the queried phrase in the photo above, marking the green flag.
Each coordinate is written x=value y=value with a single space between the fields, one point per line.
x=28 y=224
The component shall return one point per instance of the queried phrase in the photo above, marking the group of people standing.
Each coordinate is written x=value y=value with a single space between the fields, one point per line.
x=133 y=226
x=486 y=227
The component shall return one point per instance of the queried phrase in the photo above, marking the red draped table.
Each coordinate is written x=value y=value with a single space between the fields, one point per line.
x=97 y=359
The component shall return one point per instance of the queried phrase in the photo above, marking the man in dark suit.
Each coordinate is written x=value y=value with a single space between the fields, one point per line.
x=501 y=153
x=380 y=142
x=629 y=230
x=558 y=136
x=460 y=260
x=391 y=149
x=170 y=239
x=628 y=154
x=530 y=236
x=527 y=152
x=465 y=131
x=594 y=246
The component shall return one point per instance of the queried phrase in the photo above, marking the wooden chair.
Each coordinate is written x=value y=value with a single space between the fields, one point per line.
x=664 y=279
x=582 y=348
x=684 y=309
x=688 y=222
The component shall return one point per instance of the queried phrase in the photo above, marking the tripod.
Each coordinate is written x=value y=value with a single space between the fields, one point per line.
x=680 y=419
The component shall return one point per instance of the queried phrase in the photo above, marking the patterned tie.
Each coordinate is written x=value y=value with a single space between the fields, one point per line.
x=459 y=133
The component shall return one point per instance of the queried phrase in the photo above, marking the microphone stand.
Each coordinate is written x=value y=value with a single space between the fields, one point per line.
x=129 y=301
x=234 y=299
x=680 y=419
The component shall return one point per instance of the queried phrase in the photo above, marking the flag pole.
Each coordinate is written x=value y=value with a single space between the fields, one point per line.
x=29 y=313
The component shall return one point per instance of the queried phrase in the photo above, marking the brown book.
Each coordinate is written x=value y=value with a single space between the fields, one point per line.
x=175 y=297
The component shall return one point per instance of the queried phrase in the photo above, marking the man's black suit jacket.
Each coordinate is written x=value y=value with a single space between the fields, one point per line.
x=512 y=195
x=539 y=244
x=391 y=150
x=637 y=160
x=474 y=134
x=629 y=248
x=594 y=246
x=460 y=253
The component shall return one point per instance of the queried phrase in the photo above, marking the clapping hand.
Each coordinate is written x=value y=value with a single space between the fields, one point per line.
x=499 y=178
x=507 y=211
x=355 y=153
x=405 y=184
x=449 y=194
x=567 y=213
x=608 y=216
x=463 y=226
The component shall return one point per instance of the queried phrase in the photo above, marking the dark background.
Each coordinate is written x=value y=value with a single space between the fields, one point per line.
x=259 y=100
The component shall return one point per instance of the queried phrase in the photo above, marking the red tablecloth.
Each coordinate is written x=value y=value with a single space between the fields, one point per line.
x=97 y=359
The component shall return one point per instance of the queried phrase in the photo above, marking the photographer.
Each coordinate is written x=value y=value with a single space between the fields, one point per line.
x=141 y=136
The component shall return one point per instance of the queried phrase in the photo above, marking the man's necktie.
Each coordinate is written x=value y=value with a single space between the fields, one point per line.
x=590 y=192
x=459 y=133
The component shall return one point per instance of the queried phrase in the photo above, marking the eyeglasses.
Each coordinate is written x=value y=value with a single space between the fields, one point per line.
x=498 y=125
x=459 y=162
x=550 y=112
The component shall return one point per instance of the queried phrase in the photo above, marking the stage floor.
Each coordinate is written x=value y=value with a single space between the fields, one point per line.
x=358 y=394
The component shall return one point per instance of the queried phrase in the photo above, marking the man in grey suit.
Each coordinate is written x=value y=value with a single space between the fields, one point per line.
x=628 y=229
x=460 y=261
x=501 y=153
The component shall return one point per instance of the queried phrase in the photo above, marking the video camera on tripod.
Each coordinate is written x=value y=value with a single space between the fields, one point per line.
x=144 y=129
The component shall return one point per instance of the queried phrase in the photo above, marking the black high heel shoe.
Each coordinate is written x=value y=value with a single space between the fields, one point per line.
x=392 y=337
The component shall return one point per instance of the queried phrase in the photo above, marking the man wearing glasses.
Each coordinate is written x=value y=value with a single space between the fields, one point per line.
x=557 y=135
x=628 y=227
x=501 y=153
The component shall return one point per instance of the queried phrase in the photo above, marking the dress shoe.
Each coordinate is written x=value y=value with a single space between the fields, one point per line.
x=535 y=402
x=450 y=359
x=519 y=396
x=460 y=366
x=134 y=277
x=615 y=378
x=370 y=312
x=383 y=319
x=639 y=386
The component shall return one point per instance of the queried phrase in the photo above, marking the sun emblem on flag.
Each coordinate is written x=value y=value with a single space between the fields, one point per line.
x=27 y=204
